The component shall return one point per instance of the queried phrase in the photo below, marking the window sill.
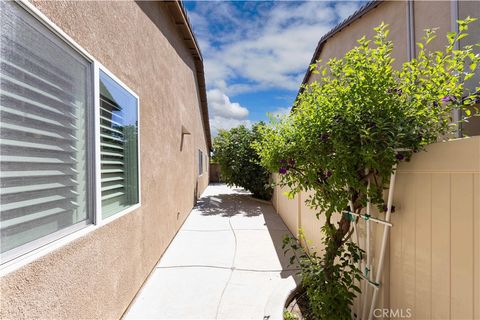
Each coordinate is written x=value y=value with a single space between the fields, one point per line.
x=31 y=256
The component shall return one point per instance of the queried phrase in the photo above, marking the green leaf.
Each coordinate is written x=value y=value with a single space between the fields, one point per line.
x=350 y=122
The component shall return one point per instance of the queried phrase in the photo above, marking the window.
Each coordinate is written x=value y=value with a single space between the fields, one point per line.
x=45 y=97
x=119 y=146
x=200 y=162
x=49 y=130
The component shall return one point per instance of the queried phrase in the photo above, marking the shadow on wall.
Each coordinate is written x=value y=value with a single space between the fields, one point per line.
x=241 y=205
x=195 y=193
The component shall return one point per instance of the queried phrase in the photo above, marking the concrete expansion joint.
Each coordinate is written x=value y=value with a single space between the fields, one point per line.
x=193 y=230
x=226 y=268
x=224 y=230
x=232 y=268
x=193 y=266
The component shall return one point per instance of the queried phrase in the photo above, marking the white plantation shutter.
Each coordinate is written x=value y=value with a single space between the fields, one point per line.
x=119 y=147
x=45 y=94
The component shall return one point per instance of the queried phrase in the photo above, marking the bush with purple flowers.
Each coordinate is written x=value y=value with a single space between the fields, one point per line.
x=348 y=127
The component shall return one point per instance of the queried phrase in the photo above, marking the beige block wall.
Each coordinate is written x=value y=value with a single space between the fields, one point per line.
x=96 y=276
x=433 y=257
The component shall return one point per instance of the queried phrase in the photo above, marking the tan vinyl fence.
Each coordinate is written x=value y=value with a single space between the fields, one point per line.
x=432 y=268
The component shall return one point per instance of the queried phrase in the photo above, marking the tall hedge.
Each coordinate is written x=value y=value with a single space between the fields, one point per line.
x=239 y=162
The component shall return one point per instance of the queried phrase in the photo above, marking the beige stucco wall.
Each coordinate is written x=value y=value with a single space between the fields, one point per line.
x=429 y=15
x=391 y=12
x=472 y=9
x=96 y=276
x=426 y=14
x=433 y=256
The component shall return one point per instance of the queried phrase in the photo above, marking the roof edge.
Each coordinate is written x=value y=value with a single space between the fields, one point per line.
x=189 y=25
x=189 y=38
x=339 y=27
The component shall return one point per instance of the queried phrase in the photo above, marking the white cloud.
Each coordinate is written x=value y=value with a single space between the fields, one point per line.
x=220 y=123
x=345 y=9
x=271 y=49
x=225 y=114
x=220 y=105
x=266 y=45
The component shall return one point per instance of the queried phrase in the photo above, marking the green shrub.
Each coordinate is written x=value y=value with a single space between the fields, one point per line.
x=239 y=162
x=351 y=126
x=287 y=315
x=327 y=300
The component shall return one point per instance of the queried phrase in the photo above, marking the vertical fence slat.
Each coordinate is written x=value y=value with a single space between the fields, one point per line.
x=423 y=245
x=440 y=292
x=407 y=214
x=476 y=249
x=396 y=251
x=461 y=302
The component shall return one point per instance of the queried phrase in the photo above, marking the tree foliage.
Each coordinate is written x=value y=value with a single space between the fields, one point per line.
x=239 y=162
x=353 y=124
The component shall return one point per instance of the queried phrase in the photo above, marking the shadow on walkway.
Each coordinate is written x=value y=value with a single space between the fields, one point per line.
x=226 y=262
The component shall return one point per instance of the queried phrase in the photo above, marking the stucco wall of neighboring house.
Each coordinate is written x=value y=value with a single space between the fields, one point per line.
x=436 y=14
x=391 y=12
x=97 y=275
x=432 y=264
x=471 y=9
x=426 y=14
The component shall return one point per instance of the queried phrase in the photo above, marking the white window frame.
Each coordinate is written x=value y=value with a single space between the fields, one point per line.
x=35 y=249
x=200 y=164
x=99 y=220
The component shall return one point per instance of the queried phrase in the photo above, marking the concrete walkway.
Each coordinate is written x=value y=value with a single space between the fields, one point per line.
x=226 y=262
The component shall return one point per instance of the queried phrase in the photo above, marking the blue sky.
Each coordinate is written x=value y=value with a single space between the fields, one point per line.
x=257 y=52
